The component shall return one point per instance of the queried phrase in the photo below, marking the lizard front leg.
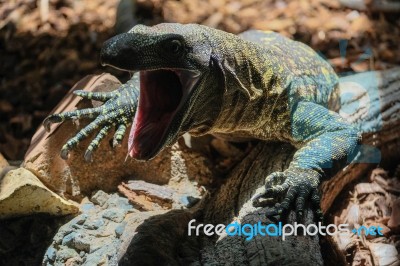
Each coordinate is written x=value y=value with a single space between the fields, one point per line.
x=117 y=111
x=327 y=138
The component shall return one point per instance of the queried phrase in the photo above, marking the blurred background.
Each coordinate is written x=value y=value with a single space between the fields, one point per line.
x=46 y=46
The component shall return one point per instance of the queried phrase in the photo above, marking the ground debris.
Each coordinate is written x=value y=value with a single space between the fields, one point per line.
x=42 y=58
x=371 y=204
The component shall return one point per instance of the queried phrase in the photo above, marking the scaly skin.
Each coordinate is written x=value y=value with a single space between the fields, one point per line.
x=257 y=85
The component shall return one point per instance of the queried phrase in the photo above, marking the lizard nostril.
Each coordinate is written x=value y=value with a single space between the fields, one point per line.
x=116 y=49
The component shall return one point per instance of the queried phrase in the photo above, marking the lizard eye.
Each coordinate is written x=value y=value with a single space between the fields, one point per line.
x=174 y=47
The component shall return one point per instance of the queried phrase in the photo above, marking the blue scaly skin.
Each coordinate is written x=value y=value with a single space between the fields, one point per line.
x=257 y=85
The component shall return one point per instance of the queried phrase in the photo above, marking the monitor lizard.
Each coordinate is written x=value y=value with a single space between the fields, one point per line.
x=196 y=79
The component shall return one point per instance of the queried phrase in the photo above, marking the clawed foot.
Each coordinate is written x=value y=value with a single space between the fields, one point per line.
x=117 y=111
x=297 y=186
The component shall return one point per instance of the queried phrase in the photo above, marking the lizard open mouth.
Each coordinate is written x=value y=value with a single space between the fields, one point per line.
x=163 y=92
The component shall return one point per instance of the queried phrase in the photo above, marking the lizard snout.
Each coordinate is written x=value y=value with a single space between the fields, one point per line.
x=119 y=52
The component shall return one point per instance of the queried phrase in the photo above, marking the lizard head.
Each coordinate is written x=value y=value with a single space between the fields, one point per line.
x=175 y=66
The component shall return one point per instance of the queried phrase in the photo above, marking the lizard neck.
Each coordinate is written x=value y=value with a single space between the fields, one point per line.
x=265 y=118
x=254 y=97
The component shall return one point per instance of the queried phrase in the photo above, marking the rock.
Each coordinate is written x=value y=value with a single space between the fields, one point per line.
x=66 y=253
x=107 y=230
x=114 y=214
x=67 y=240
x=94 y=224
x=75 y=177
x=99 y=243
x=80 y=236
x=100 y=197
x=96 y=237
x=82 y=243
x=87 y=207
x=22 y=193
x=80 y=220
x=119 y=202
x=77 y=241
x=101 y=256
x=120 y=229
x=64 y=230
x=50 y=254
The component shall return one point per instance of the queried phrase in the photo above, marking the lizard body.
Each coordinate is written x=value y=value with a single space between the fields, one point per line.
x=192 y=78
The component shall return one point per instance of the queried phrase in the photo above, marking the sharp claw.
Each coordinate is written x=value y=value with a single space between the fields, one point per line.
x=88 y=156
x=258 y=196
x=50 y=120
x=116 y=143
x=77 y=92
x=47 y=124
x=64 y=154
